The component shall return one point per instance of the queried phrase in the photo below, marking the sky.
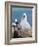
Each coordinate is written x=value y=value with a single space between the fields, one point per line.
x=17 y=13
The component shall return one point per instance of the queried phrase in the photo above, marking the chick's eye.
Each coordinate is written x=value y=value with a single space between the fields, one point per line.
x=24 y=16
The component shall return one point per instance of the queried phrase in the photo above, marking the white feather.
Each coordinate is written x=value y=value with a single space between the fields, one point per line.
x=24 y=23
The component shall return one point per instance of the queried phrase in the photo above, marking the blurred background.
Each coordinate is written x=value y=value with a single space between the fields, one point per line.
x=17 y=13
